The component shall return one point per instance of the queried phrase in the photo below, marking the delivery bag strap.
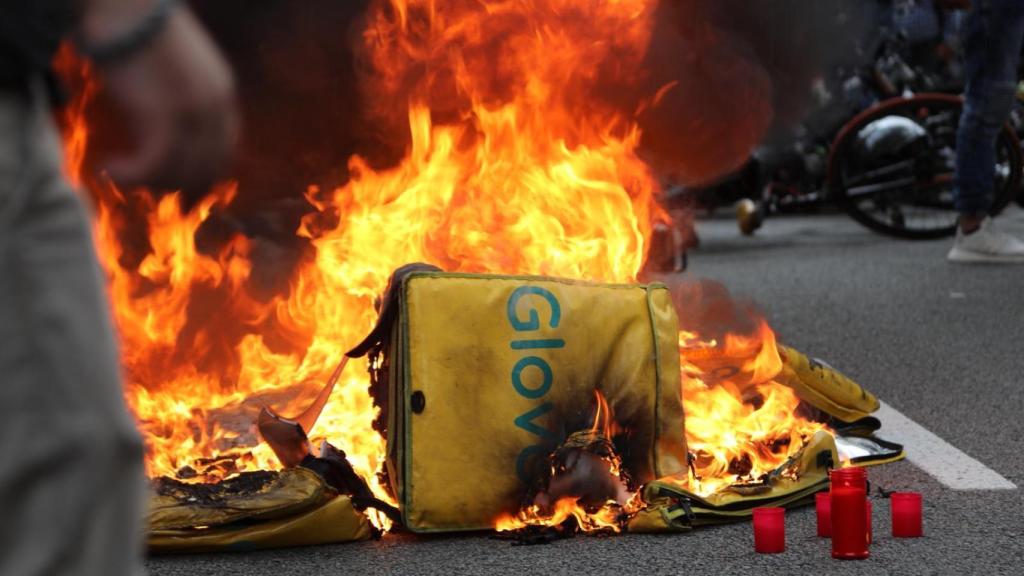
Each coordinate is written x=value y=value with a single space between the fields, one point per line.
x=388 y=309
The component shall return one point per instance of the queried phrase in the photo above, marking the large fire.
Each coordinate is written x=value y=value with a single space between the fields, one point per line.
x=510 y=168
x=740 y=423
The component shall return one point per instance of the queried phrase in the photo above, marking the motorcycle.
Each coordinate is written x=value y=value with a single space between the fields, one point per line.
x=881 y=145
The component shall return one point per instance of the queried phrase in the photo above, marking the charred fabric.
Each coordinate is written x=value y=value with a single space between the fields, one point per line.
x=605 y=453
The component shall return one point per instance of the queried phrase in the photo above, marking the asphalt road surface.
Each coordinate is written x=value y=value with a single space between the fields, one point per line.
x=941 y=344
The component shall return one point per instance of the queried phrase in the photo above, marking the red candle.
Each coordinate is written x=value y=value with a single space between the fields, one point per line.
x=852 y=477
x=769 y=530
x=849 y=514
x=849 y=524
x=823 y=507
x=906 y=515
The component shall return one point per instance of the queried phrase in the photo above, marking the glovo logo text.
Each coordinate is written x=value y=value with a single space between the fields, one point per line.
x=540 y=308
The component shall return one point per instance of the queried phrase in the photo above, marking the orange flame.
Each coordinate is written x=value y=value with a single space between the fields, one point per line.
x=606 y=519
x=511 y=167
x=604 y=419
x=76 y=132
x=740 y=423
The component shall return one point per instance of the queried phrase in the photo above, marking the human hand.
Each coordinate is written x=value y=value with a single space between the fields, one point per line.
x=178 y=97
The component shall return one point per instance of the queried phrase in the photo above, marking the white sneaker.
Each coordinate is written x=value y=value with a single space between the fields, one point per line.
x=986 y=244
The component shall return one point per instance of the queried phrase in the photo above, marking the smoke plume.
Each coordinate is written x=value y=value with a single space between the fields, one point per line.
x=731 y=71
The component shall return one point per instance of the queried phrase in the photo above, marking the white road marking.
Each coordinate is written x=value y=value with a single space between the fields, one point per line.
x=943 y=461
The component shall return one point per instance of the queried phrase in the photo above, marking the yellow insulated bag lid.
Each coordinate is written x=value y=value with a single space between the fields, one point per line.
x=487 y=374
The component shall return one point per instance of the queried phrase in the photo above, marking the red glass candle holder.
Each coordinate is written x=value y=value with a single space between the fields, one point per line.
x=769 y=530
x=906 y=515
x=849 y=513
x=823 y=509
x=851 y=477
x=849 y=524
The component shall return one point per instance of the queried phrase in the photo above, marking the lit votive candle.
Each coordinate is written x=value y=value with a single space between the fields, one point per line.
x=906 y=515
x=849 y=524
x=769 y=530
x=823 y=508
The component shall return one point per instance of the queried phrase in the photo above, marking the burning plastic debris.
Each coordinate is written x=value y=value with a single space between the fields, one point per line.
x=519 y=171
x=585 y=488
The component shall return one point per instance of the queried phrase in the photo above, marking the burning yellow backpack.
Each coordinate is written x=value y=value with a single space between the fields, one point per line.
x=672 y=507
x=480 y=375
x=292 y=508
x=824 y=387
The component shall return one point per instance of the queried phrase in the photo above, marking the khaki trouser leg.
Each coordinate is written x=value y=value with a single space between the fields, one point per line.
x=71 y=478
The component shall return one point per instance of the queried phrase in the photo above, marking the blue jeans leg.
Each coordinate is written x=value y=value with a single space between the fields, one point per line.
x=993 y=32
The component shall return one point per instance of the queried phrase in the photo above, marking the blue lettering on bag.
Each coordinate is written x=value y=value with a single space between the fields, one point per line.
x=526 y=421
x=534 y=322
x=525 y=391
x=524 y=457
x=538 y=344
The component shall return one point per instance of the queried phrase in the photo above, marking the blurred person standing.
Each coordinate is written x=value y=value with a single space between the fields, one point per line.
x=932 y=30
x=993 y=34
x=72 y=488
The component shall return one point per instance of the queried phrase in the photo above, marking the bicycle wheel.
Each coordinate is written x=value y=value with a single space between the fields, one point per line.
x=903 y=187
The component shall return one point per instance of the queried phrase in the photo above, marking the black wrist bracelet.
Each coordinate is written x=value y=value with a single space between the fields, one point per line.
x=130 y=41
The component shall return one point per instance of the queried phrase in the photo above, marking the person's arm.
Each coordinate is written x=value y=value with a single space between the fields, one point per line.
x=172 y=84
